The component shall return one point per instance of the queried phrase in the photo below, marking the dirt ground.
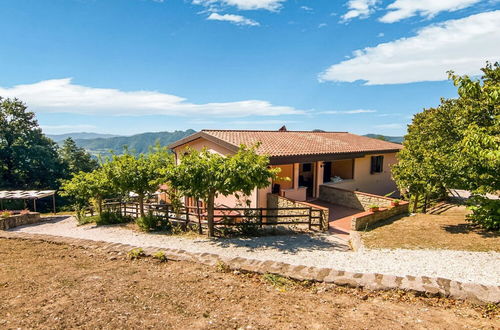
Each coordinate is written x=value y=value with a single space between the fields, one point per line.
x=445 y=229
x=53 y=286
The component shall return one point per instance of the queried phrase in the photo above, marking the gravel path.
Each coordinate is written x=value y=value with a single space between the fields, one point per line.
x=319 y=250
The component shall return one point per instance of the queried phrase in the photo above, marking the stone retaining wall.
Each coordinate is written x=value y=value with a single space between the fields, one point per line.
x=275 y=201
x=428 y=285
x=363 y=220
x=19 y=220
x=353 y=199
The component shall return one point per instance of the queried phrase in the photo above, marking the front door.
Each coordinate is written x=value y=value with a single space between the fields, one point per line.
x=306 y=177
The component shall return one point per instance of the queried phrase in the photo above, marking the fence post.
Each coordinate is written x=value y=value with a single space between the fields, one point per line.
x=310 y=218
x=260 y=216
x=200 y=230
x=187 y=216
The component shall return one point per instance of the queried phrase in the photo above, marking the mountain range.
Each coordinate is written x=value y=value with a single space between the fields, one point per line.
x=103 y=144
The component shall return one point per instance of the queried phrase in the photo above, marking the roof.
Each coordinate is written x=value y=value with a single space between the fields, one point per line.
x=25 y=194
x=281 y=144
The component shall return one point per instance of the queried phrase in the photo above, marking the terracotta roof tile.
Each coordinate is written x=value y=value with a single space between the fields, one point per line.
x=292 y=143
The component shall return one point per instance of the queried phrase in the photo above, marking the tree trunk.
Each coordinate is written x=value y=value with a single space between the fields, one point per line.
x=99 y=205
x=210 y=214
x=415 y=203
x=200 y=230
x=141 y=204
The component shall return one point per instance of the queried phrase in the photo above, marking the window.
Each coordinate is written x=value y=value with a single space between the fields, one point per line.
x=306 y=167
x=377 y=164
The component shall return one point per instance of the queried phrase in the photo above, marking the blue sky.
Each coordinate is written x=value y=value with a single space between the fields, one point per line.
x=130 y=66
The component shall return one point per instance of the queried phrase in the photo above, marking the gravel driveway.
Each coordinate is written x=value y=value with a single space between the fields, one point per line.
x=320 y=250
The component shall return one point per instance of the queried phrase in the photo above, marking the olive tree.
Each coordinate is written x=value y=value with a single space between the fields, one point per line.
x=205 y=175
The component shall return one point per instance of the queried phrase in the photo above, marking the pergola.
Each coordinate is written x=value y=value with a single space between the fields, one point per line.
x=25 y=195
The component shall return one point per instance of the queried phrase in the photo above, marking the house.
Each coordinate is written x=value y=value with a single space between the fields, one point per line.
x=308 y=160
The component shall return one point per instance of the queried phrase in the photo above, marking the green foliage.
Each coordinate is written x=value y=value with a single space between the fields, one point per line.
x=111 y=218
x=151 y=222
x=485 y=212
x=136 y=254
x=160 y=256
x=249 y=225
x=84 y=187
x=139 y=174
x=222 y=267
x=76 y=159
x=29 y=158
x=457 y=144
x=204 y=175
x=5 y=214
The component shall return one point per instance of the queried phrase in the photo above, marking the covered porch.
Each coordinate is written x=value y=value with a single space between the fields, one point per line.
x=301 y=181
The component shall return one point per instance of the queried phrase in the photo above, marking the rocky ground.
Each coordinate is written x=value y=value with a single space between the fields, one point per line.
x=45 y=285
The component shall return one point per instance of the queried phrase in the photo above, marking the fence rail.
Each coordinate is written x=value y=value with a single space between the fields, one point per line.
x=189 y=215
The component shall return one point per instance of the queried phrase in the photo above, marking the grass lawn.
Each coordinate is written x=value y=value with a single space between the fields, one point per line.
x=445 y=229
x=53 y=286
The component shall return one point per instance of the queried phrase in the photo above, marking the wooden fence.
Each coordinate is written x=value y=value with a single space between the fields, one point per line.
x=223 y=216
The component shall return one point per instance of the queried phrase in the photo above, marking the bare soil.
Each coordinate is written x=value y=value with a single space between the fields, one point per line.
x=45 y=285
x=445 y=229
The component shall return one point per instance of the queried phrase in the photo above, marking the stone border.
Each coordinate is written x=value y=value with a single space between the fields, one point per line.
x=427 y=285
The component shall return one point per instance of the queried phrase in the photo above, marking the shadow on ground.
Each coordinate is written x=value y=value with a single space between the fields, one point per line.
x=285 y=243
x=466 y=228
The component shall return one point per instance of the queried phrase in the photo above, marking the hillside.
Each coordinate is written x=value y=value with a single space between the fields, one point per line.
x=138 y=143
x=395 y=139
x=78 y=135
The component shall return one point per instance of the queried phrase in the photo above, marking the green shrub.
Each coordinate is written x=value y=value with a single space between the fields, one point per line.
x=151 y=222
x=136 y=253
x=485 y=212
x=250 y=225
x=160 y=256
x=111 y=218
x=5 y=214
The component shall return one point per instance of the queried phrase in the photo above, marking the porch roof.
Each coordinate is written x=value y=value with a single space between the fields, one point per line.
x=283 y=146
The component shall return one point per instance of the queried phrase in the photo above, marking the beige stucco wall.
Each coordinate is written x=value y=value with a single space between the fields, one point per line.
x=231 y=200
x=377 y=183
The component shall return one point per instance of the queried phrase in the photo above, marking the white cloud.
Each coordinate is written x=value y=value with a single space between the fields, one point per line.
x=62 y=96
x=55 y=129
x=322 y=25
x=359 y=9
x=235 y=19
x=462 y=45
x=401 y=9
x=271 y=5
x=346 y=112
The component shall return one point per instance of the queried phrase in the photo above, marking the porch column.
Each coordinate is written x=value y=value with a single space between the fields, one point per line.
x=296 y=168
x=319 y=178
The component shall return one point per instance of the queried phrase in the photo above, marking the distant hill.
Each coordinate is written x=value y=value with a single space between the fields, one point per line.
x=138 y=143
x=79 y=135
x=395 y=139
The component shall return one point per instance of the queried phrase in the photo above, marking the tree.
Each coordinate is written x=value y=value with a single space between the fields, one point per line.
x=457 y=144
x=139 y=174
x=76 y=159
x=28 y=158
x=205 y=175
x=84 y=187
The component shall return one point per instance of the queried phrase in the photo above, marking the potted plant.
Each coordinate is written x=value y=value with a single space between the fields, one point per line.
x=373 y=208
x=395 y=202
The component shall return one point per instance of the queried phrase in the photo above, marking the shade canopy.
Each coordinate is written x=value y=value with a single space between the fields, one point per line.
x=25 y=194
